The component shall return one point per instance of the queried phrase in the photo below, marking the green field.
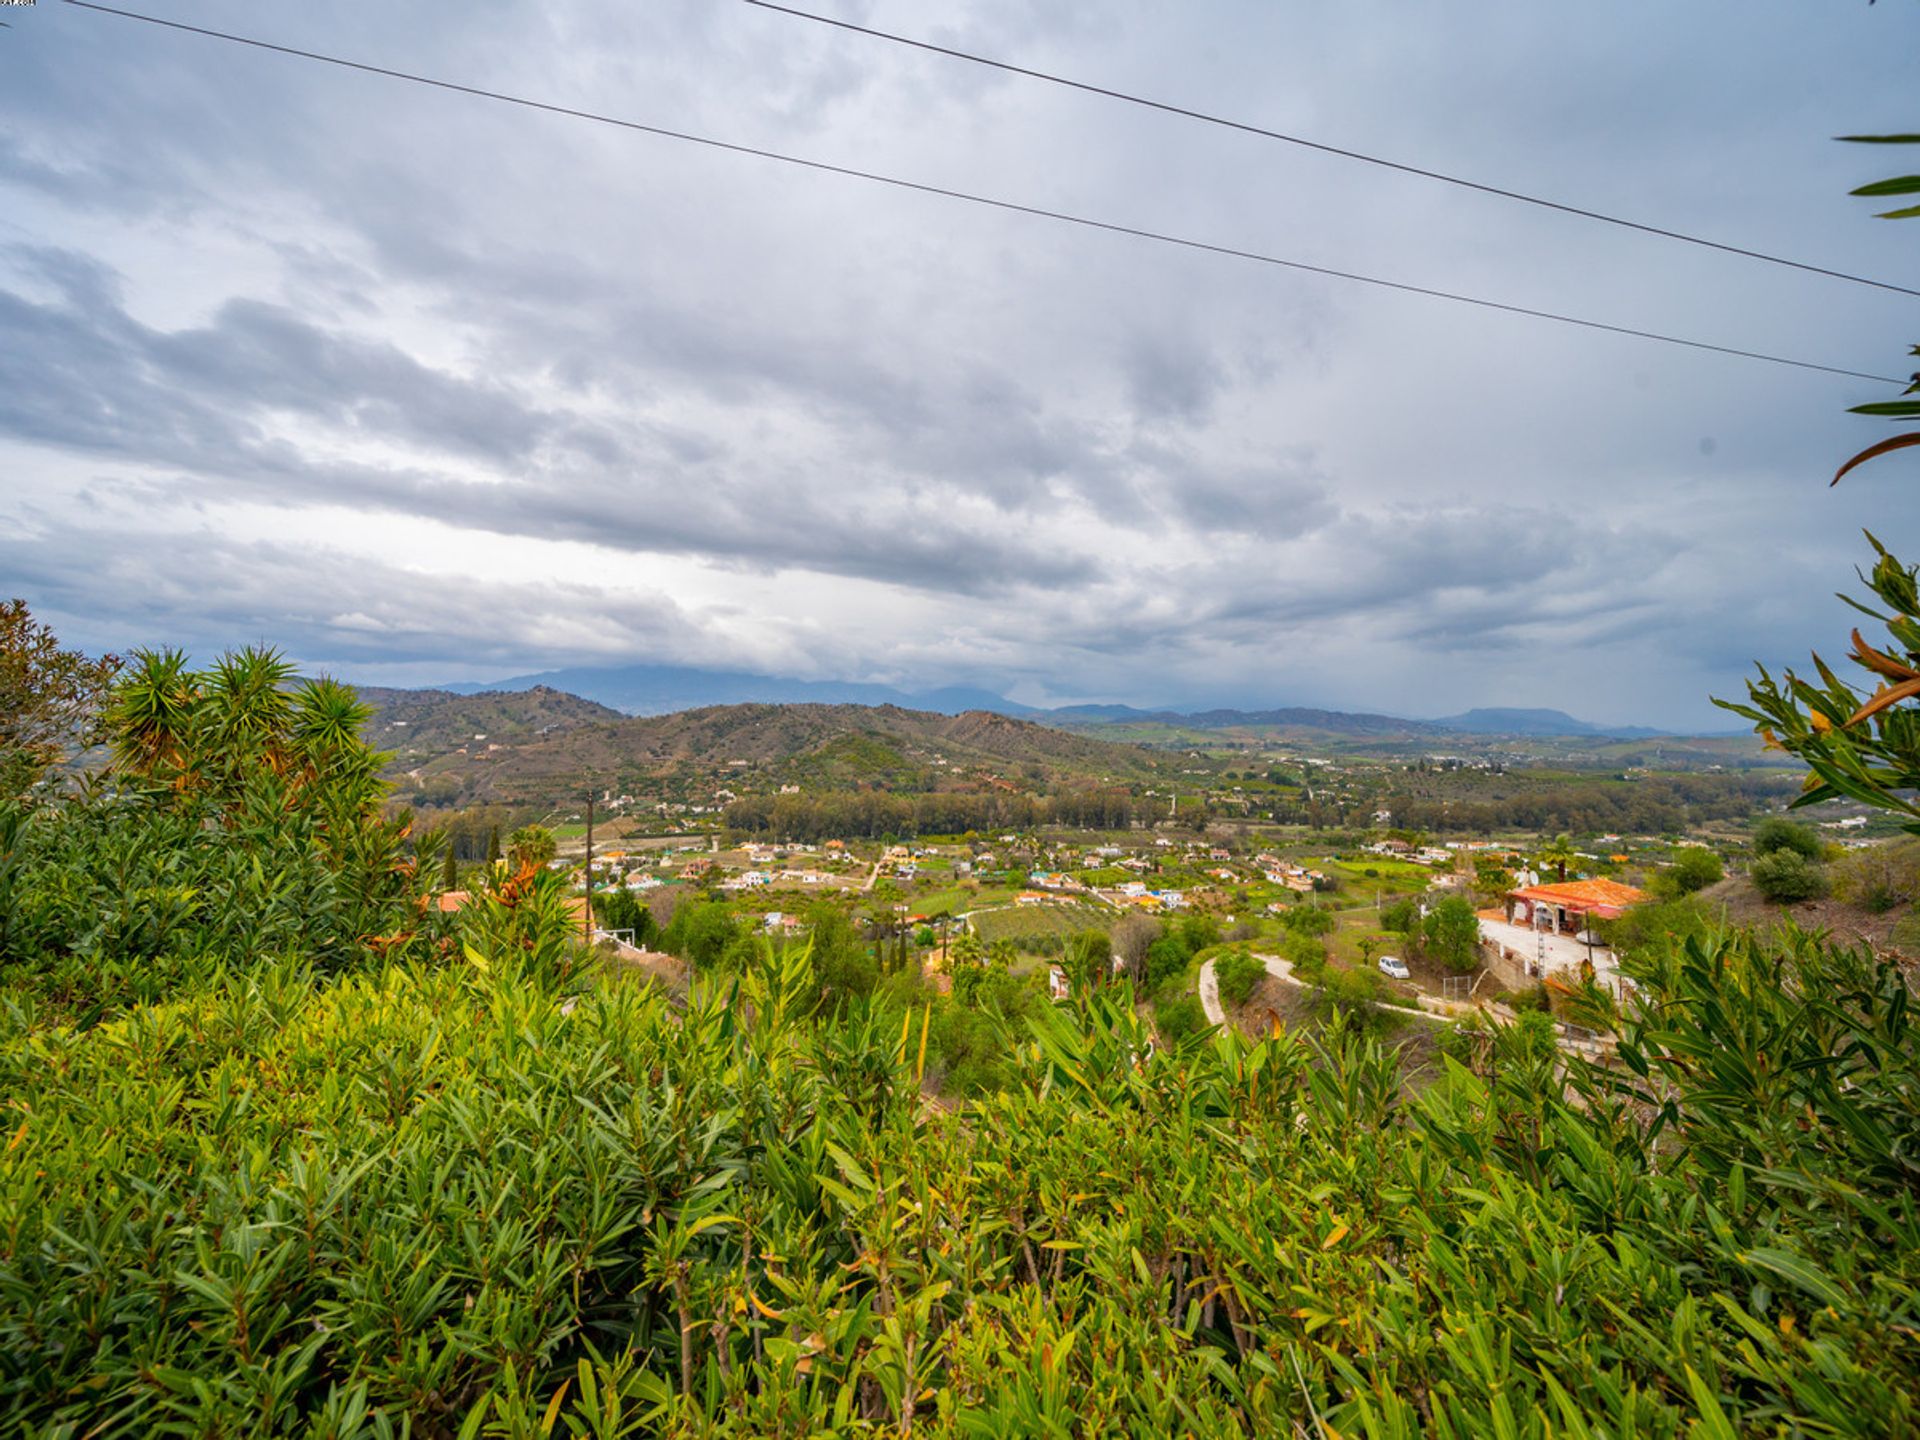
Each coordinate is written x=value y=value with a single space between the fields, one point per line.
x=1019 y=921
x=1387 y=869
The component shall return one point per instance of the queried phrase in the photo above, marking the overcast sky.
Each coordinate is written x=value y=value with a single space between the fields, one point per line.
x=422 y=387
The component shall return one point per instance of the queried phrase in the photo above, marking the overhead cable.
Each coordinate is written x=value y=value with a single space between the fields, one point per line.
x=1341 y=151
x=945 y=192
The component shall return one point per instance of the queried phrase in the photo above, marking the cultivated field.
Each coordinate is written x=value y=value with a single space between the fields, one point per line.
x=1017 y=922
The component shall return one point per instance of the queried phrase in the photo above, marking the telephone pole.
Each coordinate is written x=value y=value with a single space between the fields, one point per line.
x=589 y=916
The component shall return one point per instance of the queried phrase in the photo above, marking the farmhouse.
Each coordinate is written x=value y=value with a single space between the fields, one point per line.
x=1565 y=908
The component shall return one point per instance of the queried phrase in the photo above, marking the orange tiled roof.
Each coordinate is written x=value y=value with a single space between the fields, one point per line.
x=1584 y=894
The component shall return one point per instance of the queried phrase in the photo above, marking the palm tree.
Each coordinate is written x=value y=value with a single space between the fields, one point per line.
x=968 y=951
x=1558 y=852
x=532 y=845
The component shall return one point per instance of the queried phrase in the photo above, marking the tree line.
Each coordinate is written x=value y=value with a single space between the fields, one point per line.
x=873 y=815
x=1657 y=804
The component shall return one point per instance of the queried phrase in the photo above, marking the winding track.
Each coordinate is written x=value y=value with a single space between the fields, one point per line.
x=1430 y=1008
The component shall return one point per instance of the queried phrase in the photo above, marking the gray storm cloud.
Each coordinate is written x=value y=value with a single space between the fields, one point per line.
x=411 y=383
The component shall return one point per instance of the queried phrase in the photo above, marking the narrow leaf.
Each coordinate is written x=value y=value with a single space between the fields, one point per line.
x=1791 y=1267
x=1898 y=185
x=1874 y=452
x=1883 y=698
x=1713 y=1420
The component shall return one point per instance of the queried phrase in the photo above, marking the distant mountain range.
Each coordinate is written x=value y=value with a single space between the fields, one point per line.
x=1531 y=723
x=1539 y=722
x=665 y=689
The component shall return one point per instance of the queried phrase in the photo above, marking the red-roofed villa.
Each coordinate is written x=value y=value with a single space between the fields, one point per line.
x=1564 y=909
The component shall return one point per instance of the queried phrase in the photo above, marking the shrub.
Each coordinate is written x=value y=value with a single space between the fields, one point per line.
x=1307 y=920
x=1237 y=973
x=1786 y=876
x=1197 y=932
x=1649 y=931
x=701 y=933
x=240 y=823
x=1402 y=917
x=1879 y=877
x=967 y=1053
x=455 y=1197
x=1310 y=966
x=1776 y=833
x=1532 y=1035
x=1353 y=993
x=1451 y=934
x=1694 y=868
x=1307 y=956
x=621 y=910
x=1534 y=998
x=1180 y=1018
x=1166 y=958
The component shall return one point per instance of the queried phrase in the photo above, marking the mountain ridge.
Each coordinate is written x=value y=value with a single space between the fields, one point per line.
x=668 y=689
x=538 y=744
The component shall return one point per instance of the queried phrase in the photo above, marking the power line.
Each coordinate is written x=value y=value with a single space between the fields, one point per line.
x=1327 y=149
x=1015 y=207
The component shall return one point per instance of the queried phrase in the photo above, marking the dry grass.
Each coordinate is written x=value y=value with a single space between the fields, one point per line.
x=1848 y=923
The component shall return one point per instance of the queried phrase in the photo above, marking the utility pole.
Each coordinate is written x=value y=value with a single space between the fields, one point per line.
x=589 y=917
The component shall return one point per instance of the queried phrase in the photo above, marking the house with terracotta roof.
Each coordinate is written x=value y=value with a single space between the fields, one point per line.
x=452 y=902
x=1565 y=908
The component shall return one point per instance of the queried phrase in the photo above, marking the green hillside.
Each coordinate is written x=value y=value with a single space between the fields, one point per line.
x=534 y=747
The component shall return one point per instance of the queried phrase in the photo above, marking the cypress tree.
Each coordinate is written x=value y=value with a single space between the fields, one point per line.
x=493 y=845
x=449 y=872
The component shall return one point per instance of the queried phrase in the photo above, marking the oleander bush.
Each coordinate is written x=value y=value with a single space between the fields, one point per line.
x=474 y=1196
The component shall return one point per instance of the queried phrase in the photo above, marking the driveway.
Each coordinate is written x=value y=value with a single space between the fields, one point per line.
x=1210 y=985
x=1552 y=953
x=1430 y=1008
